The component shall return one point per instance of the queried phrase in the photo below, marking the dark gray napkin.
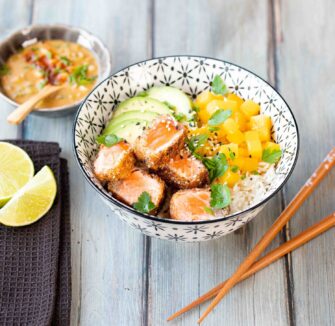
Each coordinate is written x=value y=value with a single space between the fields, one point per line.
x=35 y=260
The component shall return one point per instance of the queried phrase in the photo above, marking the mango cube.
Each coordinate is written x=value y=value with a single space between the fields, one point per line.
x=230 y=177
x=205 y=97
x=246 y=164
x=242 y=151
x=250 y=108
x=254 y=144
x=241 y=120
x=236 y=98
x=271 y=145
x=230 y=150
x=262 y=124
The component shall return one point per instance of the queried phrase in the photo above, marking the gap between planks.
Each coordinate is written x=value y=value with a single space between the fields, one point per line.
x=274 y=38
x=146 y=239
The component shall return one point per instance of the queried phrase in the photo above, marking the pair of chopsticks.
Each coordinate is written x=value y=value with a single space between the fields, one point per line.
x=249 y=266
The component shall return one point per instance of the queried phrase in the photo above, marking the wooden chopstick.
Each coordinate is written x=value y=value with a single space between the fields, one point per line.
x=296 y=242
x=281 y=221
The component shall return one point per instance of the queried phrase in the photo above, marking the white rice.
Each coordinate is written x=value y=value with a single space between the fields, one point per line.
x=252 y=189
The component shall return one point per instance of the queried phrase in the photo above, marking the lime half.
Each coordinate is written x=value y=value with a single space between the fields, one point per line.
x=16 y=169
x=32 y=201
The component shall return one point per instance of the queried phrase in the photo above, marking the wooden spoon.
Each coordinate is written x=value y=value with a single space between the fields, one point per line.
x=20 y=113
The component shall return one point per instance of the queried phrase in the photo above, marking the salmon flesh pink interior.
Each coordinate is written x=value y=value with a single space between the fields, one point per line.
x=215 y=155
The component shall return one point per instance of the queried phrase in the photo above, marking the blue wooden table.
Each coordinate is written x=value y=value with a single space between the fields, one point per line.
x=121 y=277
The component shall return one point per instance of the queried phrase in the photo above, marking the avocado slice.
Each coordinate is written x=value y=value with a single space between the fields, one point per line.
x=128 y=130
x=142 y=104
x=132 y=115
x=175 y=97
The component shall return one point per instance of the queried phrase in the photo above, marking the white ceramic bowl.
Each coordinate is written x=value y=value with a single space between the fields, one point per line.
x=34 y=33
x=193 y=75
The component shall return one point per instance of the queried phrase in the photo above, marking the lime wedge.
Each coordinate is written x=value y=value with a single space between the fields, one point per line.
x=16 y=169
x=32 y=201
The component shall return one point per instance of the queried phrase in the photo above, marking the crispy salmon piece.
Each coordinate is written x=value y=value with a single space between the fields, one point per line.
x=114 y=162
x=160 y=142
x=130 y=188
x=184 y=171
x=189 y=205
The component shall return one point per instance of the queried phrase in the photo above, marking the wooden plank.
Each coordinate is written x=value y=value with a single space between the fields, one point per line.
x=306 y=65
x=12 y=20
x=179 y=273
x=107 y=256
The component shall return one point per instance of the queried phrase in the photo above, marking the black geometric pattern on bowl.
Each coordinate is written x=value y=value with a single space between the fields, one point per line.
x=193 y=75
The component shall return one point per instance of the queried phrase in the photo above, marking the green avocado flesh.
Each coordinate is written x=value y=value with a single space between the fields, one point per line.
x=141 y=104
x=175 y=97
x=128 y=130
x=133 y=115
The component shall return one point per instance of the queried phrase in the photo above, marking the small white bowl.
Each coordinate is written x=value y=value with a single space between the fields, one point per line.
x=34 y=33
x=193 y=75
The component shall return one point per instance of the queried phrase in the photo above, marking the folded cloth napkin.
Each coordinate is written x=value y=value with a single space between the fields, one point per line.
x=35 y=260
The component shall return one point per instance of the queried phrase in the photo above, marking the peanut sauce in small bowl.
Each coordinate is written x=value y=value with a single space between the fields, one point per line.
x=40 y=55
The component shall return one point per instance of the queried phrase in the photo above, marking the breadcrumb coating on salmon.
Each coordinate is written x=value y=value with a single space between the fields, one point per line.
x=184 y=171
x=160 y=142
x=193 y=205
x=130 y=188
x=114 y=162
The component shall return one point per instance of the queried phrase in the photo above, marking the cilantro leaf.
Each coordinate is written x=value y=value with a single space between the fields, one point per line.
x=216 y=166
x=234 y=168
x=271 y=156
x=213 y=129
x=48 y=54
x=108 y=140
x=209 y=210
x=219 y=117
x=142 y=94
x=220 y=196
x=196 y=141
x=144 y=203
x=179 y=116
x=65 y=60
x=218 y=86
x=4 y=70
x=195 y=108
x=232 y=155
x=42 y=84
x=171 y=107
x=79 y=76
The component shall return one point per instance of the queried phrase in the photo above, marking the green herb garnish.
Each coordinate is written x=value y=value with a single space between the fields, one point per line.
x=48 y=54
x=232 y=154
x=213 y=129
x=142 y=94
x=255 y=172
x=216 y=166
x=144 y=203
x=196 y=141
x=209 y=210
x=179 y=117
x=4 y=70
x=108 y=140
x=219 y=117
x=220 y=196
x=65 y=60
x=171 y=107
x=79 y=76
x=195 y=108
x=42 y=84
x=234 y=168
x=271 y=155
x=218 y=86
